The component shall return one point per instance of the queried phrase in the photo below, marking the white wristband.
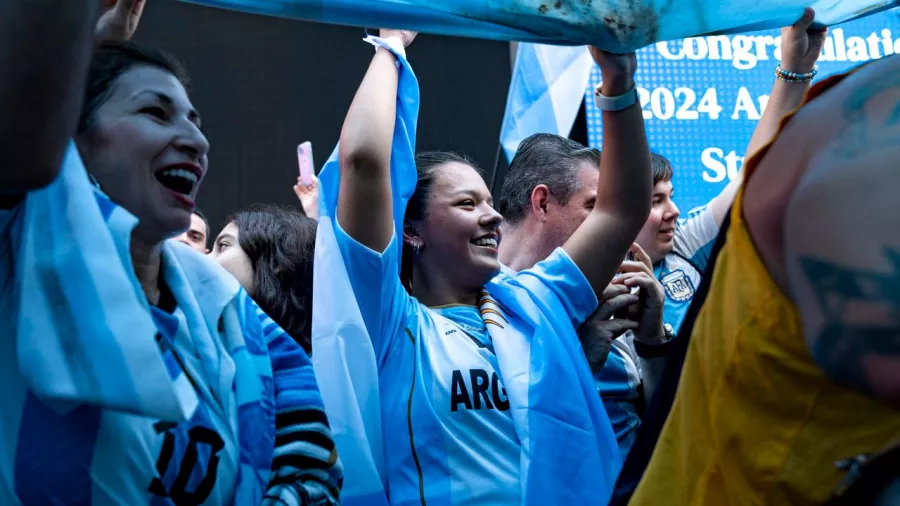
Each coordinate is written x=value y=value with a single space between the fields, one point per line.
x=392 y=43
x=623 y=101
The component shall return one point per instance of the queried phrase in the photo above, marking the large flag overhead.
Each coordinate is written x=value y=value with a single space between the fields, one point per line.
x=546 y=90
x=614 y=25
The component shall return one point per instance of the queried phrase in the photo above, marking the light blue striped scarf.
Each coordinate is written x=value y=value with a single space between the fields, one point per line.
x=550 y=388
x=85 y=334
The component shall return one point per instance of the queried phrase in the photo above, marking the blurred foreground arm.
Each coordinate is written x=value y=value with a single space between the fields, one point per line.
x=842 y=241
x=45 y=46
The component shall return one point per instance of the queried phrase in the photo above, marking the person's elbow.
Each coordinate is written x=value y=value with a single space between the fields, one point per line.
x=362 y=159
x=33 y=156
x=22 y=176
x=630 y=208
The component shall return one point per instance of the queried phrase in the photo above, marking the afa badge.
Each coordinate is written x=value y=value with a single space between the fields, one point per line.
x=678 y=286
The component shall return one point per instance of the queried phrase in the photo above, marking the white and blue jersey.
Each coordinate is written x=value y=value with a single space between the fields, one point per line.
x=95 y=456
x=449 y=435
x=681 y=271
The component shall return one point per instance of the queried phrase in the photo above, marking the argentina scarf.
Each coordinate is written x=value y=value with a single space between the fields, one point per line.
x=344 y=360
x=84 y=331
x=85 y=336
x=279 y=408
x=569 y=452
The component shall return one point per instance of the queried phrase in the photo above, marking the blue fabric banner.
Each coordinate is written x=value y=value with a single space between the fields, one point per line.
x=611 y=24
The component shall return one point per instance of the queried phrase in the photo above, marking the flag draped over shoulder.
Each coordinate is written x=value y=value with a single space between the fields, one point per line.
x=84 y=333
x=344 y=359
x=610 y=24
x=569 y=453
x=546 y=90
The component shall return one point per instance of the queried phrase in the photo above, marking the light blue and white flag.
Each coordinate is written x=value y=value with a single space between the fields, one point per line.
x=611 y=24
x=84 y=331
x=344 y=359
x=546 y=90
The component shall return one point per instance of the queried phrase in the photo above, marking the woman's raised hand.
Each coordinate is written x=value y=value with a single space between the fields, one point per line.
x=119 y=19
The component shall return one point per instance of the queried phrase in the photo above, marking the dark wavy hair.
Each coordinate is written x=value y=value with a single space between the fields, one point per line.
x=109 y=62
x=280 y=243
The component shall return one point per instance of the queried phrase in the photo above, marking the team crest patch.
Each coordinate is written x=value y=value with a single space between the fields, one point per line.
x=678 y=286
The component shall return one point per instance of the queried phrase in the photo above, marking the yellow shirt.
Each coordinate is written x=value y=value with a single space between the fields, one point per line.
x=755 y=420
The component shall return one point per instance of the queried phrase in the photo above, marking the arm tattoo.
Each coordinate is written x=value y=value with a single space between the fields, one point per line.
x=862 y=131
x=861 y=310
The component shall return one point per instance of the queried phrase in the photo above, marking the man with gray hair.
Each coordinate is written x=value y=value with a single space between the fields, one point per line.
x=555 y=176
x=550 y=189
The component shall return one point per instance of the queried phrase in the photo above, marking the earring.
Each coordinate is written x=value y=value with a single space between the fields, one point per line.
x=94 y=182
x=416 y=249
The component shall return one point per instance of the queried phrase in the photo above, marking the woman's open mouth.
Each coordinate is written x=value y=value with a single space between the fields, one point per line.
x=178 y=180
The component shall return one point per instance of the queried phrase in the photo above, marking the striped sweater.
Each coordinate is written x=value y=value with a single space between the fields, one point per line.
x=305 y=468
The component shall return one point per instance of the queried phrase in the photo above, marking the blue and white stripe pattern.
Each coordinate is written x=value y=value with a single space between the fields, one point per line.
x=344 y=358
x=569 y=450
x=545 y=92
x=80 y=340
x=257 y=432
x=618 y=384
x=534 y=430
x=306 y=470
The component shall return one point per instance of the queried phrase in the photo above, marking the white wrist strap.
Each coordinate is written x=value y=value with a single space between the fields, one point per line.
x=392 y=43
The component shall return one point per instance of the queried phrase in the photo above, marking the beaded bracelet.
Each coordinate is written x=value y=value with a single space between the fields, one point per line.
x=793 y=77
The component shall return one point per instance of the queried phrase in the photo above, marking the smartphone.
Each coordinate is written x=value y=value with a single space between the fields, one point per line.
x=629 y=257
x=305 y=161
x=624 y=312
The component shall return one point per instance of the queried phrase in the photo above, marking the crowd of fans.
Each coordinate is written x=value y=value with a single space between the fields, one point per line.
x=578 y=341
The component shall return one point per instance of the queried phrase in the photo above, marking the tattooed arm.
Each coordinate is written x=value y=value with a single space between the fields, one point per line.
x=842 y=240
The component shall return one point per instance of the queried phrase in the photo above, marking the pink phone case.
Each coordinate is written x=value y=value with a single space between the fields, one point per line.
x=305 y=161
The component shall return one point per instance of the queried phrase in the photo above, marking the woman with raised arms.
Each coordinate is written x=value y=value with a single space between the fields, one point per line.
x=485 y=395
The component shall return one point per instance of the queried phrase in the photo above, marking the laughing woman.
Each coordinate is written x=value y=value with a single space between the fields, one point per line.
x=485 y=395
x=138 y=371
